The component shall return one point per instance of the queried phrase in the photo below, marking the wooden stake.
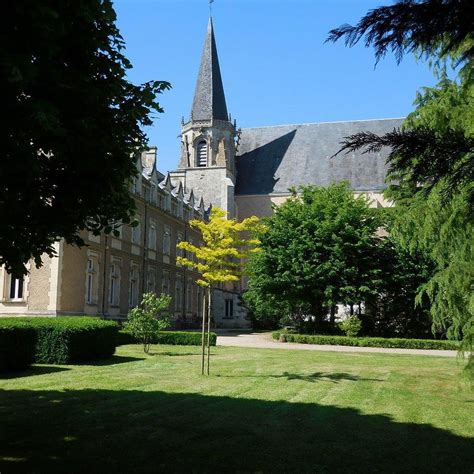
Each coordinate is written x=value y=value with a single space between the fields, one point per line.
x=203 y=337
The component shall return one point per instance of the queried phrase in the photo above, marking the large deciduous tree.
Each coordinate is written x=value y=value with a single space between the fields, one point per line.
x=72 y=125
x=432 y=156
x=319 y=249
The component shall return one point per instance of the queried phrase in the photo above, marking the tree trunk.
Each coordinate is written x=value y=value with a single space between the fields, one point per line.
x=332 y=318
x=209 y=315
x=203 y=340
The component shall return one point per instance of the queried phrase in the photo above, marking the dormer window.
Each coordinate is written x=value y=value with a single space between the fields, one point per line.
x=202 y=153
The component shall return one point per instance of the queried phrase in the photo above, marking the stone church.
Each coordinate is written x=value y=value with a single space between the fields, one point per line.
x=243 y=171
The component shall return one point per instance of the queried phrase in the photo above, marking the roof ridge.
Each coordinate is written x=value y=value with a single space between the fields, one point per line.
x=323 y=123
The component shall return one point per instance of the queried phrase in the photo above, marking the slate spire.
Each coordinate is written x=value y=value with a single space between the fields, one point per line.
x=209 y=99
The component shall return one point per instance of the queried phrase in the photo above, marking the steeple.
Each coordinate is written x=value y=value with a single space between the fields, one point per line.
x=209 y=99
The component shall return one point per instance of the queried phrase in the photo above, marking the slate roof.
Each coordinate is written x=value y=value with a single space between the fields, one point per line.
x=273 y=159
x=209 y=99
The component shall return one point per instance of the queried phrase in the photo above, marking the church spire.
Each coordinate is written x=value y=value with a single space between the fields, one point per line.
x=209 y=99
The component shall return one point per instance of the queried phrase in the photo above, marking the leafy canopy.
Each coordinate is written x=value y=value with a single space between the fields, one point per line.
x=75 y=125
x=225 y=246
x=148 y=318
x=318 y=250
x=432 y=157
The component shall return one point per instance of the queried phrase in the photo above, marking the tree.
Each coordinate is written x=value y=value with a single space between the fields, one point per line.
x=265 y=311
x=319 y=249
x=432 y=157
x=394 y=311
x=219 y=259
x=148 y=318
x=74 y=128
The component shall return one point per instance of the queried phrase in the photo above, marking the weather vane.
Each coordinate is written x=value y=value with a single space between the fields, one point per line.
x=210 y=7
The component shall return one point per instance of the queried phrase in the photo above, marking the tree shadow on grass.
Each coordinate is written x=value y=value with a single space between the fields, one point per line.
x=114 y=360
x=175 y=354
x=137 y=431
x=315 y=377
x=32 y=371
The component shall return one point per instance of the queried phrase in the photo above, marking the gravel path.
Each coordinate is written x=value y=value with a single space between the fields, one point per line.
x=265 y=341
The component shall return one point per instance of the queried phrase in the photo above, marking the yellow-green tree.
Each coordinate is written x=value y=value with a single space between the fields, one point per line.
x=219 y=260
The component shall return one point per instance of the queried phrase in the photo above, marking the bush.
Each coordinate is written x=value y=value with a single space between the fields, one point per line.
x=176 y=338
x=367 y=341
x=146 y=320
x=17 y=346
x=351 y=326
x=181 y=338
x=66 y=340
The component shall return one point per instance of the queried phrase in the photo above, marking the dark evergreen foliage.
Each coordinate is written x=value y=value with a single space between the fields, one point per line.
x=72 y=128
x=430 y=26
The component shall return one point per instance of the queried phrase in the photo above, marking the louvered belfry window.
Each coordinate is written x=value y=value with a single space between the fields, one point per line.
x=202 y=153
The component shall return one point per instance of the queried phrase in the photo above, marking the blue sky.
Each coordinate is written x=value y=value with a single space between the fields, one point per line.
x=275 y=66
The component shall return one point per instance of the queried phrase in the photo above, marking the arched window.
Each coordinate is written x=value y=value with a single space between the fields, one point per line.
x=202 y=153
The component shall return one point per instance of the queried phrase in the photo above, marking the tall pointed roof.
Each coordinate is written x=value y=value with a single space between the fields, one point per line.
x=209 y=99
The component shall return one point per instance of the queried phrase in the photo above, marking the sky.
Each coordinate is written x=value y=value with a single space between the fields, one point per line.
x=275 y=66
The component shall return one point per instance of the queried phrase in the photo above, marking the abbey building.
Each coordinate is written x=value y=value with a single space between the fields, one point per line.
x=243 y=171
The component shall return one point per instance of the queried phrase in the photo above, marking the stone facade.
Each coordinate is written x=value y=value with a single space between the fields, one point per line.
x=108 y=276
x=244 y=172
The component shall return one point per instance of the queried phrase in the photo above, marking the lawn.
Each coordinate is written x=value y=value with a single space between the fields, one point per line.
x=260 y=410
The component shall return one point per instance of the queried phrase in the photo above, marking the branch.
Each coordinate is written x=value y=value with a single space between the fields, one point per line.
x=421 y=154
x=432 y=26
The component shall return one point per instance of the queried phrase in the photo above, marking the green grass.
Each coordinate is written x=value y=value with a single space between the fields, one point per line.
x=259 y=411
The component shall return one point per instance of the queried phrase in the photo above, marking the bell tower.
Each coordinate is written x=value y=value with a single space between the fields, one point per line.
x=208 y=146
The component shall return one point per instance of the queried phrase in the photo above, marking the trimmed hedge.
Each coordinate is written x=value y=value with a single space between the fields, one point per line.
x=366 y=341
x=17 y=346
x=66 y=340
x=177 y=338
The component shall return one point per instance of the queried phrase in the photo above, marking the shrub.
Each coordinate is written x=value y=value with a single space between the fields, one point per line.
x=181 y=338
x=367 y=341
x=146 y=320
x=17 y=346
x=177 y=338
x=351 y=326
x=66 y=340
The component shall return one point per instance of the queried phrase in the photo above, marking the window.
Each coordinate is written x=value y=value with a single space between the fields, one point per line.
x=178 y=294
x=167 y=241
x=179 y=252
x=153 y=194
x=200 y=294
x=189 y=295
x=167 y=205
x=202 y=153
x=114 y=283
x=91 y=280
x=229 y=308
x=136 y=231
x=152 y=238
x=146 y=191
x=135 y=186
x=165 y=286
x=174 y=209
x=151 y=280
x=133 y=288
x=16 y=288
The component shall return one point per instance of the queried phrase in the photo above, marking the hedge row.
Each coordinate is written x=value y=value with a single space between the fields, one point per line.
x=177 y=338
x=17 y=347
x=62 y=340
x=366 y=341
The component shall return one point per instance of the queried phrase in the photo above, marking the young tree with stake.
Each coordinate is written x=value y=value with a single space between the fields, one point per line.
x=219 y=260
